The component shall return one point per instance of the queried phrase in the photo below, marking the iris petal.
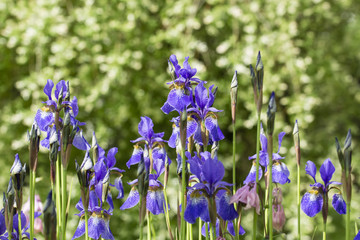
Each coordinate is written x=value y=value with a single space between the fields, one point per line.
x=311 y=203
x=339 y=204
x=327 y=169
x=132 y=200
x=197 y=207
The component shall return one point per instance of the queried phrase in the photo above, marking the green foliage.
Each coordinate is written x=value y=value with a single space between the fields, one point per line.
x=114 y=53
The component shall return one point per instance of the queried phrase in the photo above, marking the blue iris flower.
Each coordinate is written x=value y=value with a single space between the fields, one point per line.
x=4 y=235
x=312 y=201
x=209 y=173
x=180 y=94
x=280 y=172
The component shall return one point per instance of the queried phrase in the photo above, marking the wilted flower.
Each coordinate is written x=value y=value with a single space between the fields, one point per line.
x=247 y=196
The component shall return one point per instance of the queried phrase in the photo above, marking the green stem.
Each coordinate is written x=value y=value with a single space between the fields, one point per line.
x=236 y=230
x=324 y=231
x=200 y=226
x=183 y=194
x=63 y=200
x=213 y=231
x=257 y=172
x=19 y=227
x=148 y=226
x=86 y=225
x=234 y=164
x=167 y=218
x=348 y=220
x=270 y=152
x=58 y=199
x=206 y=230
x=141 y=221
x=298 y=201
x=191 y=231
x=32 y=198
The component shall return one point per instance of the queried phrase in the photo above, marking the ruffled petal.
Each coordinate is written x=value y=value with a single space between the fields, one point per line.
x=136 y=156
x=97 y=226
x=211 y=124
x=167 y=108
x=178 y=99
x=44 y=117
x=80 y=230
x=155 y=201
x=197 y=207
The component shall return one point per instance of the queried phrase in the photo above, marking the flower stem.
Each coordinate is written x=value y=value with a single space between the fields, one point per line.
x=234 y=164
x=19 y=226
x=148 y=226
x=63 y=200
x=167 y=218
x=200 y=226
x=140 y=220
x=191 y=232
x=324 y=231
x=348 y=222
x=32 y=198
x=257 y=172
x=298 y=201
x=86 y=225
x=206 y=230
x=270 y=152
x=58 y=200
x=183 y=129
x=213 y=231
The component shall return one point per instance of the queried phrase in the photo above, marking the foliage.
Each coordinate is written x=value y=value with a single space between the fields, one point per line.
x=114 y=55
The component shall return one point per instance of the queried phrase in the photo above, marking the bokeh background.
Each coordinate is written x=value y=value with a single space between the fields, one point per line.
x=114 y=53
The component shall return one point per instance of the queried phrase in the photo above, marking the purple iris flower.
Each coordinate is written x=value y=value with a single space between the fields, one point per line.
x=98 y=223
x=312 y=201
x=4 y=235
x=180 y=94
x=205 y=114
x=280 y=172
x=191 y=129
x=155 y=199
x=154 y=153
x=209 y=173
x=45 y=117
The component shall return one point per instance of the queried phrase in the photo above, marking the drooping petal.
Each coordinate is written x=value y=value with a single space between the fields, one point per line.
x=252 y=174
x=339 y=204
x=167 y=108
x=225 y=210
x=80 y=142
x=44 y=117
x=310 y=169
x=311 y=203
x=192 y=126
x=211 y=124
x=132 y=200
x=107 y=234
x=280 y=173
x=97 y=226
x=178 y=99
x=80 y=230
x=136 y=156
x=327 y=169
x=155 y=201
x=174 y=136
x=231 y=230
x=197 y=206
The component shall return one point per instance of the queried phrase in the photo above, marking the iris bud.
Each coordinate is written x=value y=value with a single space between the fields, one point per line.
x=271 y=114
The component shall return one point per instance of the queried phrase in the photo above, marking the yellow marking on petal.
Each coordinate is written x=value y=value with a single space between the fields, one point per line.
x=316 y=192
x=45 y=109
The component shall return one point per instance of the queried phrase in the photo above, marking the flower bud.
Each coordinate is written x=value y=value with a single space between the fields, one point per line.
x=94 y=146
x=67 y=96
x=49 y=218
x=297 y=142
x=171 y=70
x=66 y=130
x=143 y=176
x=17 y=174
x=347 y=152
x=34 y=137
x=271 y=114
x=233 y=95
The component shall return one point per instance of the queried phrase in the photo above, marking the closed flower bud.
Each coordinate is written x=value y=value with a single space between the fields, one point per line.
x=271 y=114
x=66 y=130
x=34 y=137
x=297 y=142
x=233 y=95
x=347 y=152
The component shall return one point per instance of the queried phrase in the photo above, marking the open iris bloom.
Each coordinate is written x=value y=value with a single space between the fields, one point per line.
x=181 y=92
x=153 y=152
x=98 y=222
x=280 y=172
x=316 y=199
x=4 y=235
x=209 y=197
x=46 y=116
x=221 y=225
x=155 y=199
x=205 y=115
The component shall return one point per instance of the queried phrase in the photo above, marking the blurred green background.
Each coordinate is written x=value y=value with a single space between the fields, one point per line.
x=114 y=53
